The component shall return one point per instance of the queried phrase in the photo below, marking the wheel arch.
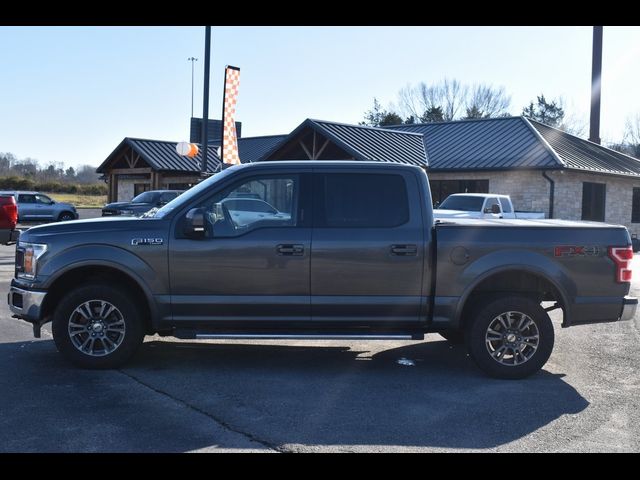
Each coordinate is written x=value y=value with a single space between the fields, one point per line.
x=523 y=280
x=99 y=272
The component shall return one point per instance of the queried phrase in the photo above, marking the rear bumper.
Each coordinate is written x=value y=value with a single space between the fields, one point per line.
x=629 y=307
x=26 y=304
x=7 y=237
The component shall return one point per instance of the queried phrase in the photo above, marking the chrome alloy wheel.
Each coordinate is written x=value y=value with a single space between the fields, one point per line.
x=96 y=328
x=512 y=338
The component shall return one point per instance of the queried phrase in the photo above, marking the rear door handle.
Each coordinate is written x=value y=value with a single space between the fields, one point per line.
x=404 y=250
x=290 y=249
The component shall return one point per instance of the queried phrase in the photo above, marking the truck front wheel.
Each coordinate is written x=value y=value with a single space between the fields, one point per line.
x=511 y=337
x=97 y=326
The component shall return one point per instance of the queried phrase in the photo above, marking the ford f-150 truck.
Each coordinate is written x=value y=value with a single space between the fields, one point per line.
x=480 y=205
x=356 y=254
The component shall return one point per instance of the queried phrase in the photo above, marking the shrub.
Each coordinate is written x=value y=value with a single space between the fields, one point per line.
x=20 y=183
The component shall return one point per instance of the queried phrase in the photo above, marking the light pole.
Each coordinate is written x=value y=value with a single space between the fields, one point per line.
x=192 y=59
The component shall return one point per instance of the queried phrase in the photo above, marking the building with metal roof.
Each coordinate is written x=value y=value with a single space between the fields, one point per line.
x=322 y=140
x=138 y=164
x=540 y=167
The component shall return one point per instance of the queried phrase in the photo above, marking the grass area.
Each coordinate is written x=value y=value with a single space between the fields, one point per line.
x=80 y=201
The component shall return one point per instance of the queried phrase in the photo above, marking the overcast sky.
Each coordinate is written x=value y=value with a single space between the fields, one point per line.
x=71 y=94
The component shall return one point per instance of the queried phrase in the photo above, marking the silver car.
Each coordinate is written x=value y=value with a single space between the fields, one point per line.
x=35 y=206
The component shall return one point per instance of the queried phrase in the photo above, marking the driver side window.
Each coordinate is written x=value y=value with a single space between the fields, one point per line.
x=259 y=202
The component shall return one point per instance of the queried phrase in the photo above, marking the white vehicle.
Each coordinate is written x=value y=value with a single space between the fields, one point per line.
x=245 y=211
x=480 y=205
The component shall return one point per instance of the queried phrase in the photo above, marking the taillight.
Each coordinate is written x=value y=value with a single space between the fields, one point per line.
x=11 y=210
x=622 y=257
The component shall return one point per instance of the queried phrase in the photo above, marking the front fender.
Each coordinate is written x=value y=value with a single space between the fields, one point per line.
x=104 y=256
x=514 y=260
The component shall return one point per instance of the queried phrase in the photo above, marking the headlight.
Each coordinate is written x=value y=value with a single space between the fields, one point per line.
x=126 y=212
x=32 y=252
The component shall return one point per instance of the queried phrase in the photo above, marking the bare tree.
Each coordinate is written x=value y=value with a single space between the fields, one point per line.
x=453 y=99
x=486 y=101
x=632 y=135
x=454 y=94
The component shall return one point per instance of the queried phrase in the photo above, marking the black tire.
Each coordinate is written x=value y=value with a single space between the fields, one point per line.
x=66 y=216
x=453 y=336
x=126 y=313
x=498 y=362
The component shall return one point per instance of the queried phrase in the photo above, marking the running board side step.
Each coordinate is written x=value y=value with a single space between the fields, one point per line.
x=190 y=334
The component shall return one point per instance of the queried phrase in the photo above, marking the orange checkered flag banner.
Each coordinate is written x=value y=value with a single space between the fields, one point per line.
x=229 y=150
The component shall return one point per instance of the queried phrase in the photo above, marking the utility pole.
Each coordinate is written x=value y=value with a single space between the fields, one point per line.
x=596 y=85
x=192 y=59
x=205 y=101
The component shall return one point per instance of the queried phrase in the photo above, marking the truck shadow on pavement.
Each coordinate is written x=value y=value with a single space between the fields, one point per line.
x=269 y=396
x=333 y=395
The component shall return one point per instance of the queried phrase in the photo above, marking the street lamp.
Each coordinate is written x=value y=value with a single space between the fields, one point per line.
x=192 y=59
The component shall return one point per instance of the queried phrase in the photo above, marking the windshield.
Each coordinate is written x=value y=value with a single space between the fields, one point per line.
x=145 y=197
x=467 y=204
x=192 y=192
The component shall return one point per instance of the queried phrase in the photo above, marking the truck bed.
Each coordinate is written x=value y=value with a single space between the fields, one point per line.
x=569 y=258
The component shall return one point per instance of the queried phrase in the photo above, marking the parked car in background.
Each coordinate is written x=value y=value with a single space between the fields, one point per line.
x=480 y=205
x=34 y=206
x=141 y=203
x=245 y=211
x=8 y=220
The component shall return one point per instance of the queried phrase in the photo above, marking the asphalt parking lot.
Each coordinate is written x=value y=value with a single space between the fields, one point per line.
x=321 y=396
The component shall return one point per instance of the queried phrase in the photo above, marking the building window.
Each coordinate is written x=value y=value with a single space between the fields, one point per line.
x=635 y=206
x=441 y=189
x=138 y=188
x=593 y=195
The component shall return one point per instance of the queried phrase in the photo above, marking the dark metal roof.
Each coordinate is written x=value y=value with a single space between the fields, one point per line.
x=251 y=149
x=487 y=144
x=367 y=143
x=162 y=155
x=581 y=154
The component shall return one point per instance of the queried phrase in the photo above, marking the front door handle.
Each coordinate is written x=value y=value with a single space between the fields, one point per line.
x=404 y=250
x=290 y=249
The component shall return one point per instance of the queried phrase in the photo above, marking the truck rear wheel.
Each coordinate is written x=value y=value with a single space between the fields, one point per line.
x=511 y=337
x=97 y=326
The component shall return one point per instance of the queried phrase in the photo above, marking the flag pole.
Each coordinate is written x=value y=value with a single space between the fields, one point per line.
x=205 y=100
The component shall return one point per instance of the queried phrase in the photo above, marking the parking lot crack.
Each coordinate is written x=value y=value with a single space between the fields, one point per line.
x=216 y=419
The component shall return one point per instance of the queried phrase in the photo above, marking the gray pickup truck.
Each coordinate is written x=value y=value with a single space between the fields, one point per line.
x=354 y=254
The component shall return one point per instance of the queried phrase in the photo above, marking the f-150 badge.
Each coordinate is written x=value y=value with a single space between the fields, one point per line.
x=147 y=241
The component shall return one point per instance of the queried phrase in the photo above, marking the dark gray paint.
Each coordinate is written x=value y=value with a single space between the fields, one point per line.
x=355 y=280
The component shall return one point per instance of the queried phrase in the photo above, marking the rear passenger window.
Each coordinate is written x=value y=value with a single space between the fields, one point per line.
x=506 y=206
x=361 y=200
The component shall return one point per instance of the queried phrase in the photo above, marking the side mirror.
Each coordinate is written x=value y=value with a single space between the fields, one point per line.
x=194 y=223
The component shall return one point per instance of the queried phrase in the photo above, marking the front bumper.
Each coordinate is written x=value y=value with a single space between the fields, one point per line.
x=26 y=304
x=629 y=307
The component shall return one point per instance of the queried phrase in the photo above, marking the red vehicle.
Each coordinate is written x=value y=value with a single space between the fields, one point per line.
x=8 y=220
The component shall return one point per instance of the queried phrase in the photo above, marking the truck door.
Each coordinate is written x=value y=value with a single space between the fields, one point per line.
x=26 y=206
x=250 y=273
x=367 y=248
x=488 y=209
